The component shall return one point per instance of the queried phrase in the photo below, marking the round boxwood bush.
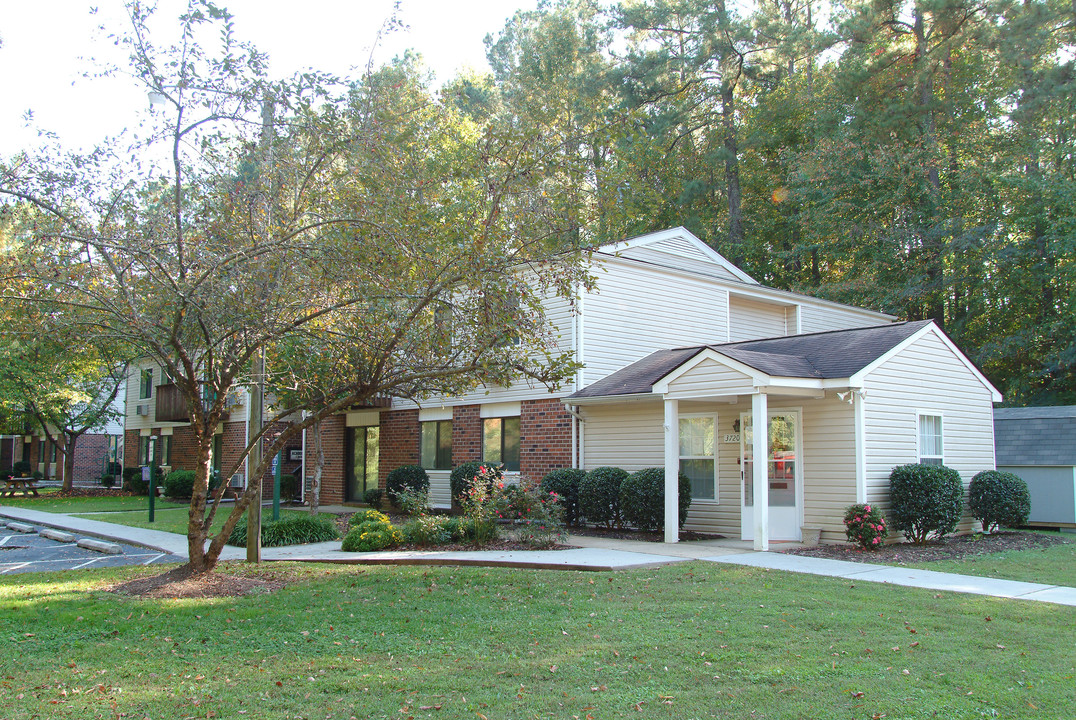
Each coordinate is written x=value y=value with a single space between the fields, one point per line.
x=406 y=477
x=642 y=499
x=372 y=497
x=370 y=536
x=291 y=529
x=565 y=483
x=462 y=475
x=925 y=499
x=132 y=480
x=21 y=468
x=179 y=484
x=599 y=495
x=999 y=499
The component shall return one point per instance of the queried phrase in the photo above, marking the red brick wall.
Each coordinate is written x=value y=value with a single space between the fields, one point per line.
x=333 y=433
x=545 y=438
x=130 y=448
x=399 y=440
x=90 y=452
x=466 y=434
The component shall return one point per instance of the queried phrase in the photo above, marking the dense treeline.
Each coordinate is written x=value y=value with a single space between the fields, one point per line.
x=914 y=157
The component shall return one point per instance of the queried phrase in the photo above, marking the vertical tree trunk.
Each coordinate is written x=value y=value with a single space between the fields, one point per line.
x=319 y=464
x=69 y=462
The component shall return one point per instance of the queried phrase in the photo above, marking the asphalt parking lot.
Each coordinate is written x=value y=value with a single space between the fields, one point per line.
x=29 y=552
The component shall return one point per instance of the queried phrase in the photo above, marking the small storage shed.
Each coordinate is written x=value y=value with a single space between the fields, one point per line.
x=1039 y=445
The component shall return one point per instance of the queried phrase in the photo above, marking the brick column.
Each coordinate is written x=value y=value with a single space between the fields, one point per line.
x=399 y=441
x=466 y=434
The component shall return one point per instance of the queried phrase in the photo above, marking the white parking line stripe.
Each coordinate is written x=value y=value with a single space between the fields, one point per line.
x=19 y=566
x=88 y=562
x=5 y=539
x=160 y=555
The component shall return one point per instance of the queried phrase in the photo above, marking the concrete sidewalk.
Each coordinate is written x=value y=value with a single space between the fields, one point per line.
x=593 y=554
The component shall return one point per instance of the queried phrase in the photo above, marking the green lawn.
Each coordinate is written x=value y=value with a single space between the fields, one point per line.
x=1055 y=565
x=46 y=503
x=173 y=518
x=692 y=640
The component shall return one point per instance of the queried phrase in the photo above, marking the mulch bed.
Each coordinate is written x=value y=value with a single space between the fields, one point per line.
x=180 y=583
x=950 y=548
x=89 y=492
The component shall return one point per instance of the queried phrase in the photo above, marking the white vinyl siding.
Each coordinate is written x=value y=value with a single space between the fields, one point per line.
x=688 y=258
x=925 y=377
x=829 y=463
x=710 y=378
x=816 y=316
x=637 y=310
x=752 y=320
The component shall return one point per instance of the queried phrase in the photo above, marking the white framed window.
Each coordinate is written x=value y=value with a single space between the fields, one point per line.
x=698 y=455
x=145 y=384
x=930 y=445
x=500 y=442
x=435 y=444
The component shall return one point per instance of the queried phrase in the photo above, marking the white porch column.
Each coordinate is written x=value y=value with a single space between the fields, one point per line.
x=860 y=413
x=672 y=471
x=760 y=454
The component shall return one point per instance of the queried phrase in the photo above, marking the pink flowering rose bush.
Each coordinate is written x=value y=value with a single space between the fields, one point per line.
x=489 y=502
x=865 y=526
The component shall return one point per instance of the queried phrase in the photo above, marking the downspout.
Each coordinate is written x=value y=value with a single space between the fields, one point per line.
x=580 y=356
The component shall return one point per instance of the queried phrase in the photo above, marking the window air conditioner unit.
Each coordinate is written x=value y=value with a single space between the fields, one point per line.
x=238 y=481
x=141 y=409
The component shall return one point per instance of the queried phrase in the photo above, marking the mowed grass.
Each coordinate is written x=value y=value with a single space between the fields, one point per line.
x=692 y=640
x=1054 y=565
x=174 y=518
x=47 y=503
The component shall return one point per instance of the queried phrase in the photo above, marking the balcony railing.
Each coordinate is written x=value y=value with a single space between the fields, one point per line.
x=171 y=405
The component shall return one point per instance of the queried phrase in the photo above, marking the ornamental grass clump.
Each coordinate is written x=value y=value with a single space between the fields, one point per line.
x=865 y=526
x=297 y=529
x=999 y=499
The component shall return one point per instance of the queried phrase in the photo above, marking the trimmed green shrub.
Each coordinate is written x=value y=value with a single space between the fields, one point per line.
x=297 y=529
x=599 y=496
x=37 y=475
x=999 y=499
x=406 y=477
x=179 y=484
x=132 y=480
x=642 y=498
x=460 y=478
x=370 y=536
x=289 y=487
x=21 y=468
x=108 y=481
x=925 y=499
x=565 y=483
x=368 y=516
x=373 y=498
x=427 y=530
x=865 y=526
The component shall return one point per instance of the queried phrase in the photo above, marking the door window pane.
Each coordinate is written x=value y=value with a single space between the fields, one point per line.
x=781 y=470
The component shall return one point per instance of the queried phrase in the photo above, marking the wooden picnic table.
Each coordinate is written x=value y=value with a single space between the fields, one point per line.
x=14 y=485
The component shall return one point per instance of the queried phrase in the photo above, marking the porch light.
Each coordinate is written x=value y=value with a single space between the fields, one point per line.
x=736 y=425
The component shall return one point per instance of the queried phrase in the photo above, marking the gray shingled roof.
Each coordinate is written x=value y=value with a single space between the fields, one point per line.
x=824 y=355
x=1035 y=435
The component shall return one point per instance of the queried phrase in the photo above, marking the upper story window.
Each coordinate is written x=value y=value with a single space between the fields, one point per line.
x=930 y=440
x=500 y=442
x=435 y=444
x=145 y=384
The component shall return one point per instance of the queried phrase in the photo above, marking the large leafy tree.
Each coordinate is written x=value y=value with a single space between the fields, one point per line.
x=401 y=244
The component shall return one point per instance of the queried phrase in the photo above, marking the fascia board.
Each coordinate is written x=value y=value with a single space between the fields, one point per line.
x=685 y=234
x=859 y=378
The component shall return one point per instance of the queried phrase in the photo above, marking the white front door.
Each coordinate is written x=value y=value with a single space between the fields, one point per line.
x=784 y=472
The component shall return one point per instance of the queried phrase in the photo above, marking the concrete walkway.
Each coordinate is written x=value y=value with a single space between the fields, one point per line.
x=593 y=554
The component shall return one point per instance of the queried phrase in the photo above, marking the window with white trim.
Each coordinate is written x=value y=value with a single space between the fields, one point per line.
x=698 y=455
x=145 y=384
x=435 y=444
x=500 y=442
x=930 y=440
